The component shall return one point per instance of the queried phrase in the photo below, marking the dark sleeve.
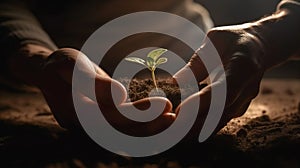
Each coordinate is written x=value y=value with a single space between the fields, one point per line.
x=18 y=26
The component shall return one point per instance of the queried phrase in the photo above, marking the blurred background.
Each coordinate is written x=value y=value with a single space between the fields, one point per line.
x=237 y=11
x=222 y=13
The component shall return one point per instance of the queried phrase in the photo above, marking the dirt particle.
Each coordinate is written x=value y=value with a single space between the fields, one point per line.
x=266 y=90
x=289 y=92
x=173 y=164
x=265 y=118
x=241 y=133
x=264 y=111
x=265 y=138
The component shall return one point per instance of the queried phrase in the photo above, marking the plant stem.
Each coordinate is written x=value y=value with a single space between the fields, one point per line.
x=153 y=78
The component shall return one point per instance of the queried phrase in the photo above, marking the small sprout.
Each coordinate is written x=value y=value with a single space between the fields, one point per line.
x=152 y=61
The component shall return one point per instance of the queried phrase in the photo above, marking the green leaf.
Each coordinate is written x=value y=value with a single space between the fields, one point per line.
x=136 y=60
x=154 y=54
x=150 y=63
x=161 y=60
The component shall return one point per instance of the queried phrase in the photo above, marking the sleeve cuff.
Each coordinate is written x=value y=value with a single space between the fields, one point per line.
x=291 y=5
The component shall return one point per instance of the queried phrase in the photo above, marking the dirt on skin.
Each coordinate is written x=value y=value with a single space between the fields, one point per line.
x=267 y=135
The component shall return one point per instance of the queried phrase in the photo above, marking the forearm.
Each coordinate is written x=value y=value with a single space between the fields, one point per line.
x=22 y=40
x=280 y=33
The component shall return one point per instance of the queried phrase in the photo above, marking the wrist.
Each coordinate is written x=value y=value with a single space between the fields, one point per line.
x=279 y=34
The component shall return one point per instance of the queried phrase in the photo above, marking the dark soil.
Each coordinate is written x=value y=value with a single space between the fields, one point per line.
x=142 y=88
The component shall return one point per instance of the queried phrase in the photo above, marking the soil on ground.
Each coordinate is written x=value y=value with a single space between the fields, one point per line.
x=267 y=135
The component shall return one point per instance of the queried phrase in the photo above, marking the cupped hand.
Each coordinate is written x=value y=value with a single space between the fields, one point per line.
x=241 y=53
x=57 y=89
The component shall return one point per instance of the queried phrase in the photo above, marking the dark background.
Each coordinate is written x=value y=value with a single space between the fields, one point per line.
x=238 y=11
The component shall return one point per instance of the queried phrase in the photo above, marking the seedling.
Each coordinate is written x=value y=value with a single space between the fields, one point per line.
x=152 y=61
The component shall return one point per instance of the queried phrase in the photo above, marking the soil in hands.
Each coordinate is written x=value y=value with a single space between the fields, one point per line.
x=141 y=88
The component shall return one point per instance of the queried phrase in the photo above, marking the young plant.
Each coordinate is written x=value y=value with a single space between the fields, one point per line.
x=152 y=61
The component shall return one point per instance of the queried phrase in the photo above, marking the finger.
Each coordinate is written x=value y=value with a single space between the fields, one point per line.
x=210 y=121
x=151 y=128
x=159 y=124
x=117 y=116
x=148 y=107
x=199 y=101
x=205 y=60
x=100 y=71
x=87 y=76
x=109 y=92
x=240 y=105
x=194 y=70
x=240 y=72
x=58 y=88
x=63 y=62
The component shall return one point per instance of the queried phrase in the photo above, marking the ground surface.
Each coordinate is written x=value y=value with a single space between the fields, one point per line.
x=267 y=135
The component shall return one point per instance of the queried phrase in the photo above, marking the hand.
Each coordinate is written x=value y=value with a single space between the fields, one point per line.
x=241 y=53
x=246 y=51
x=55 y=82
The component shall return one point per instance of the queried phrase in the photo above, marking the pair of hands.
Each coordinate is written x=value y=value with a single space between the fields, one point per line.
x=239 y=49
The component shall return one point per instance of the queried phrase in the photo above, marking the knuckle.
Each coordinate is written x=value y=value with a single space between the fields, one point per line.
x=63 y=56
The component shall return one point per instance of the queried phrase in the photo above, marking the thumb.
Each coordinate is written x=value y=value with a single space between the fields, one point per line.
x=194 y=69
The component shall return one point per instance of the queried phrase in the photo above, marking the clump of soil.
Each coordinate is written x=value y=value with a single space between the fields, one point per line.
x=141 y=88
x=266 y=90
